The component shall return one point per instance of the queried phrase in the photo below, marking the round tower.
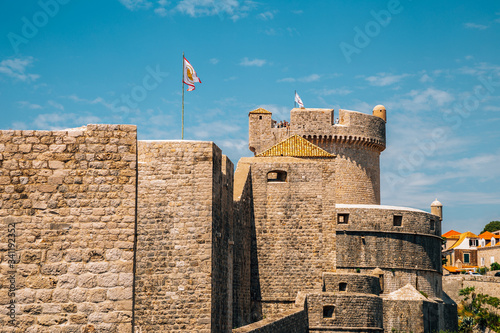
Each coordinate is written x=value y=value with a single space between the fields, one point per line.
x=379 y=111
x=437 y=209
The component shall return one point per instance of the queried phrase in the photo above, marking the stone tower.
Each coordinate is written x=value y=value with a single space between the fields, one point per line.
x=320 y=229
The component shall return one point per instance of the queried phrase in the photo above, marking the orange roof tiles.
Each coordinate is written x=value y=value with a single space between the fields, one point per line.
x=451 y=233
x=295 y=146
x=259 y=111
x=463 y=236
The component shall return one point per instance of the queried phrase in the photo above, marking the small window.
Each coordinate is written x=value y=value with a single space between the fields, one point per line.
x=472 y=242
x=342 y=286
x=398 y=220
x=466 y=258
x=329 y=311
x=260 y=117
x=482 y=261
x=276 y=176
x=342 y=218
x=432 y=224
x=492 y=260
x=381 y=280
x=493 y=241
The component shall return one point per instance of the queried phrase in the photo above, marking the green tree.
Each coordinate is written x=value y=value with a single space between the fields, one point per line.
x=495 y=266
x=492 y=226
x=472 y=311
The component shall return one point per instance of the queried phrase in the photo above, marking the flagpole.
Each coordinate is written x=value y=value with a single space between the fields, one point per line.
x=182 y=131
x=294 y=99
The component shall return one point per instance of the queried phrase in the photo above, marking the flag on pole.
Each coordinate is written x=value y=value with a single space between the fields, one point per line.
x=298 y=100
x=190 y=77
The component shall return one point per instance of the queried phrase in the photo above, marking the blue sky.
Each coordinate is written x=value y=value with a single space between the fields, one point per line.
x=434 y=65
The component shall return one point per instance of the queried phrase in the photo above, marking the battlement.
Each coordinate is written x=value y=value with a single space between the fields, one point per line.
x=318 y=126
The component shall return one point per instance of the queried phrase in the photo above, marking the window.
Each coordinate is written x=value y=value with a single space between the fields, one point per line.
x=492 y=260
x=329 y=311
x=483 y=242
x=482 y=261
x=466 y=258
x=342 y=286
x=276 y=176
x=398 y=220
x=473 y=242
x=432 y=224
x=493 y=241
x=342 y=218
x=260 y=117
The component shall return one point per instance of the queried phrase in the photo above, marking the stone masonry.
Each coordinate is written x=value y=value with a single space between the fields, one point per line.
x=104 y=233
x=71 y=196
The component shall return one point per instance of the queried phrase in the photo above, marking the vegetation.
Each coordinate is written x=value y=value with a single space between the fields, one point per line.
x=482 y=270
x=474 y=311
x=492 y=226
x=495 y=266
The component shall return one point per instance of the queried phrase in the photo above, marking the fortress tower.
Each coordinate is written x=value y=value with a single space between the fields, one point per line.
x=315 y=187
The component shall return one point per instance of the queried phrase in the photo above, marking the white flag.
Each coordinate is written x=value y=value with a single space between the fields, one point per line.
x=298 y=100
x=190 y=77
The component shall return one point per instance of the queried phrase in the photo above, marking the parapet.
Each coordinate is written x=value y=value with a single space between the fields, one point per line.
x=350 y=127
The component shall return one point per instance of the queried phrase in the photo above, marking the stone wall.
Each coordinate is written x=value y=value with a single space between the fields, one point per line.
x=349 y=312
x=295 y=238
x=410 y=316
x=354 y=283
x=489 y=285
x=292 y=321
x=244 y=237
x=183 y=236
x=409 y=253
x=489 y=255
x=70 y=196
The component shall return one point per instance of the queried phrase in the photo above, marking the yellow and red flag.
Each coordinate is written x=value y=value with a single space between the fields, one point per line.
x=190 y=76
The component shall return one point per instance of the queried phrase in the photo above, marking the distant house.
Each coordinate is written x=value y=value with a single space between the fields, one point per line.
x=460 y=251
x=488 y=250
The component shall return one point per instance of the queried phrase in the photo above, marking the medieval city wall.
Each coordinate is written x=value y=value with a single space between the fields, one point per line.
x=295 y=239
x=67 y=214
x=182 y=237
x=489 y=285
x=291 y=321
x=243 y=237
x=351 y=312
x=409 y=253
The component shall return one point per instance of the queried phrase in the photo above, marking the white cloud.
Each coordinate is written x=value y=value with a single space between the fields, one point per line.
x=470 y=25
x=136 y=4
x=56 y=105
x=161 y=11
x=384 y=79
x=28 y=105
x=338 y=91
x=439 y=97
x=265 y=16
x=197 y=8
x=298 y=12
x=309 y=78
x=214 y=61
x=97 y=100
x=254 y=62
x=234 y=9
x=16 y=68
x=426 y=78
